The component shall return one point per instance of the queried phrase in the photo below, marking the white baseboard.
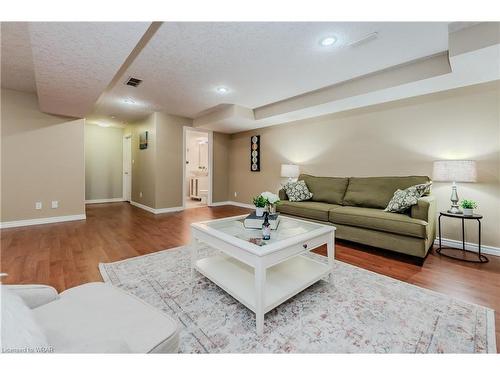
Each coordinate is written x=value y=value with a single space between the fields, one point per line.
x=106 y=200
x=43 y=220
x=168 y=209
x=232 y=203
x=156 y=211
x=469 y=246
x=144 y=207
x=216 y=204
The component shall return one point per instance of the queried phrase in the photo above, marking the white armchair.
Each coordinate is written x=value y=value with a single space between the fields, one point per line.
x=34 y=295
x=93 y=318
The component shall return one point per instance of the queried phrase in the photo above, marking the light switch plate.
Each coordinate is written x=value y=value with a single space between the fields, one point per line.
x=55 y=204
x=140 y=194
x=38 y=205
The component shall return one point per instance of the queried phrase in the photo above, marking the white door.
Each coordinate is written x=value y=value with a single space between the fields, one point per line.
x=127 y=168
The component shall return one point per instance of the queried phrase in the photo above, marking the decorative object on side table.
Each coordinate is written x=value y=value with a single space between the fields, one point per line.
x=260 y=203
x=463 y=217
x=290 y=171
x=454 y=171
x=255 y=153
x=468 y=207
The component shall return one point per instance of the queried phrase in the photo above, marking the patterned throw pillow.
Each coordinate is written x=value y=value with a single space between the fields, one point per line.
x=297 y=191
x=404 y=199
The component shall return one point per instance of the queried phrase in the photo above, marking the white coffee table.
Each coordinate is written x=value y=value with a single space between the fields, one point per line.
x=262 y=277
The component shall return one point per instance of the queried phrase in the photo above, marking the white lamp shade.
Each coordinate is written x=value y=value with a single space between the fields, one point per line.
x=289 y=170
x=454 y=171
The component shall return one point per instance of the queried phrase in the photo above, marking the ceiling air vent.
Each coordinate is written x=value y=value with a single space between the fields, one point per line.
x=133 y=81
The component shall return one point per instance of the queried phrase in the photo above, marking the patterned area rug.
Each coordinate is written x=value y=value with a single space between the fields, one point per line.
x=359 y=312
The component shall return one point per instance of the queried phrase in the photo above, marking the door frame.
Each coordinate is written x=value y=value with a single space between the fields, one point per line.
x=210 y=134
x=124 y=197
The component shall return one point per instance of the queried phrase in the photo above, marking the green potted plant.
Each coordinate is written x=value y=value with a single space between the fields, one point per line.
x=468 y=206
x=260 y=203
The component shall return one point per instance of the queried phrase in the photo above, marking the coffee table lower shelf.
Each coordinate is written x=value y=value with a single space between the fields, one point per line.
x=283 y=280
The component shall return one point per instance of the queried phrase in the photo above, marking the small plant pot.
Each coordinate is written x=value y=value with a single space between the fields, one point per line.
x=468 y=211
x=259 y=211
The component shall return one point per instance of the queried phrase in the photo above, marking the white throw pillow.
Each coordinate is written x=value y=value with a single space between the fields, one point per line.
x=20 y=332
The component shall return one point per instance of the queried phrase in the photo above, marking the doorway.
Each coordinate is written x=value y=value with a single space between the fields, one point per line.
x=197 y=171
x=127 y=168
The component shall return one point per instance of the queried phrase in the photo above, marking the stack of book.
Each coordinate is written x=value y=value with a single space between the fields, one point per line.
x=253 y=221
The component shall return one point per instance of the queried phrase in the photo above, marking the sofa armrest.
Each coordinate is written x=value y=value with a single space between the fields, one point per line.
x=424 y=209
x=34 y=295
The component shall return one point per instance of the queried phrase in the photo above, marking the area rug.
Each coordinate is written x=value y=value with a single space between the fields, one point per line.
x=357 y=312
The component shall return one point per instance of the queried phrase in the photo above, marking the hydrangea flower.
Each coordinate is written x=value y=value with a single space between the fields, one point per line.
x=271 y=198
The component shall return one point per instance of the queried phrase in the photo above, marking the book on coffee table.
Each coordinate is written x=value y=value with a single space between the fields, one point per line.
x=253 y=221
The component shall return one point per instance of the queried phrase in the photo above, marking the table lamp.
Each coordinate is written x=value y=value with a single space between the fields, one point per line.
x=454 y=171
x=289 y=170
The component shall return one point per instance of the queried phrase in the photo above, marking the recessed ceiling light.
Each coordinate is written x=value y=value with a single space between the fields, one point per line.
x=328 y=41
x=222 y=90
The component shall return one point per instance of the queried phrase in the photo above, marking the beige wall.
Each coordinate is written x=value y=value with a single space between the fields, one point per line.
x=169 y=131
x=143 y=162
x=399 y=138
x=42 y=160
x=103 y=162
x=221 y=143
x=157 y=170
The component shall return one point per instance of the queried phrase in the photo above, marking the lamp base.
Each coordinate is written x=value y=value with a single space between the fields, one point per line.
x=454 y=209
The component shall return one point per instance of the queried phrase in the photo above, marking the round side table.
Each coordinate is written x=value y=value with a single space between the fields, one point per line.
x=481 y=258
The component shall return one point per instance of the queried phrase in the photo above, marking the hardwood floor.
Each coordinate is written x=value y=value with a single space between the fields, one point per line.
x=66 y=254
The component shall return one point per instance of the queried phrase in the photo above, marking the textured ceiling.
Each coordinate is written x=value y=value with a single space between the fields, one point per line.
x=71 y=65
x=75 y=61
x=17 y=60
x=259 y=62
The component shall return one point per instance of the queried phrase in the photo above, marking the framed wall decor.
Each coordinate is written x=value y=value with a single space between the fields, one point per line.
x=255 y=153
x=143 y=140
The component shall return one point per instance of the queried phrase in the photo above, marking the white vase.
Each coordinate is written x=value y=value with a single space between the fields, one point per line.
x=259 y=211
x=468 y=211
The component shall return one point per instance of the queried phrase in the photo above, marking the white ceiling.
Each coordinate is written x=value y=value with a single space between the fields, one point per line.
x=17 y=61
x=71 y=65
x=75 y=61
x=259 y=62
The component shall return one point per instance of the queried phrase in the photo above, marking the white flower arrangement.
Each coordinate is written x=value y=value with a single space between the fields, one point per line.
x=270 y=197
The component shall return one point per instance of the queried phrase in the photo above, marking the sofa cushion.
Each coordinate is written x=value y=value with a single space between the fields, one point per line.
x=376 y=192
x=372 y=218
x=326 y=189
x=98 y=317
x=309 y=209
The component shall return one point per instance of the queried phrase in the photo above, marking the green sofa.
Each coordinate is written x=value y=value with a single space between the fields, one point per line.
x=355 y=206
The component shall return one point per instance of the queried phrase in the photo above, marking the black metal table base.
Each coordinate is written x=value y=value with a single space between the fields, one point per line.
x=480 y=257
